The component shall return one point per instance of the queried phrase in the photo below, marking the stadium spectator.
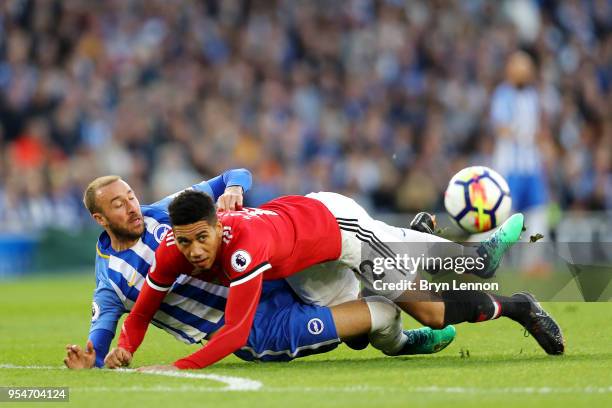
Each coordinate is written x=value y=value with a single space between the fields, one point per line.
x=381 y=100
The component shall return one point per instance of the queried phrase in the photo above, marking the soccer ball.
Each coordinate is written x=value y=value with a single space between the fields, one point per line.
x=478 y=199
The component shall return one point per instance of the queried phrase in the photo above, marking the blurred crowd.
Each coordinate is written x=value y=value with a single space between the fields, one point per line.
x=380 y=100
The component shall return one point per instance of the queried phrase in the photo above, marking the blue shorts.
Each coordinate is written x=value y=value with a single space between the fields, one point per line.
x=527 y=190
x=285 y=328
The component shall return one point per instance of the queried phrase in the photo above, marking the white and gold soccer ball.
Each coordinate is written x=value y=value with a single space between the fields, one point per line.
x=478 y=199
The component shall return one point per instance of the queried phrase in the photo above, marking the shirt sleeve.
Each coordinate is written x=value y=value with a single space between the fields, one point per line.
x=214 y=187
x=106 y=311
x=101 y=340
x=242 y=302
x=234 y=177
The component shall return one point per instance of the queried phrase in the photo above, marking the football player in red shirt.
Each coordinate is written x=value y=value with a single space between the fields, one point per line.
x=234 y=248
x=287 y=235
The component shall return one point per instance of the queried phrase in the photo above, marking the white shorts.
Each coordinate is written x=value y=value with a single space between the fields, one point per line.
x=363 y=240
x=327 y=284
x=335 y=282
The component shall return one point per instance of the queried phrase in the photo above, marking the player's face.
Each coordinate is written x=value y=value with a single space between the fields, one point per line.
x=119 y=211
x=199 y=242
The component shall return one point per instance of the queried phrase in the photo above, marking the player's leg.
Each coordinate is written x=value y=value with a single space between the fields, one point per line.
x=374 y=320
x=379 y=319
x=491 y=250
x=285 y=328
x=358 y=228
x=453 y=307
x=332 y=284
x=360 y=232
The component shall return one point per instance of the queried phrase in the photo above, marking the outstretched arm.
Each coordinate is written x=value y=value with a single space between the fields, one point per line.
x=135 y=326
x=106 y=311
x=167 y=266
x=232 y=182
x=240 y=310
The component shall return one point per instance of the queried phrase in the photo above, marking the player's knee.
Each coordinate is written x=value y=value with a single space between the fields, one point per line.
x=383 y=313
x=386 y=330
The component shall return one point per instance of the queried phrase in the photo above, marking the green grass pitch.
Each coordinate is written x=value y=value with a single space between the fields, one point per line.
x=39 y=316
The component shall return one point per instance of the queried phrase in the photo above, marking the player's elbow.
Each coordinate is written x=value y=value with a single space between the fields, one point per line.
x=243 y=170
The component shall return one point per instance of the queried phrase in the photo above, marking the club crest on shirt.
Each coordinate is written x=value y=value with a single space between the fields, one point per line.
x=160 y=232
x=240 y=260
x=95 y=311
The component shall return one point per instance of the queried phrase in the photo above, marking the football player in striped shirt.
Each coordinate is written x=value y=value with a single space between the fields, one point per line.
x=126 y=248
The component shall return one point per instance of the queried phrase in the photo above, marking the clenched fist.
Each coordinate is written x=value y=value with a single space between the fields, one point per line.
x=118 y=357
x=231 y=199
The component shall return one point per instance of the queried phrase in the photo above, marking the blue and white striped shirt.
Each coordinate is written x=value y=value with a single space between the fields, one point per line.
x=191 y=310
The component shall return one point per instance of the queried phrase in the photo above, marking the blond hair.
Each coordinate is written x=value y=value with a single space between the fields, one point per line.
x=89 y=196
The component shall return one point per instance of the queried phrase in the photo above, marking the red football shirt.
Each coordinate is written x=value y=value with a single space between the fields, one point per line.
x=274 y=241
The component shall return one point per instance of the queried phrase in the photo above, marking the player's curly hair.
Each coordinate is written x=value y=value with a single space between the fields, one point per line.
x=192 y=206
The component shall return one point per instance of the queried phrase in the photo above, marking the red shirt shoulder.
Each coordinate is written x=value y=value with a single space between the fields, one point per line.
x=245 y=248
x=283 y=236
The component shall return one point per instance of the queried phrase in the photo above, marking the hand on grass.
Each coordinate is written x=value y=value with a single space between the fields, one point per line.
x=78 y=359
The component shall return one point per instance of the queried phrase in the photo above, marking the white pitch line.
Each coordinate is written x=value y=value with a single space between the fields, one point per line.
x=231 y=383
